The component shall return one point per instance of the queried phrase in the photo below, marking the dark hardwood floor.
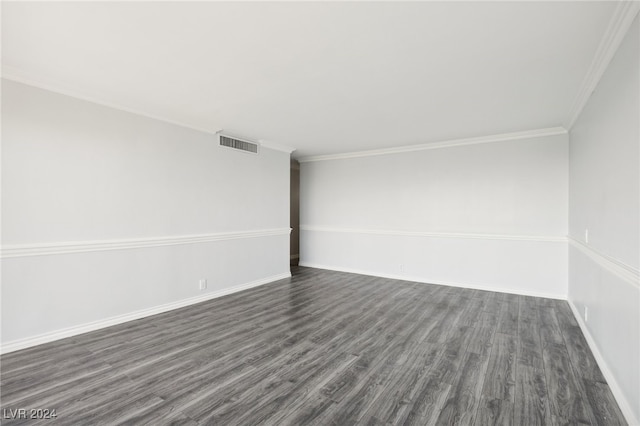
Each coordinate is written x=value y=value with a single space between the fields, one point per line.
x=323 y=348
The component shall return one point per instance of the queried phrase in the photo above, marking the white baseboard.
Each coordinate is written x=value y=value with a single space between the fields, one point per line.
x=96 y=325
x=438 y=282
x=606 y=372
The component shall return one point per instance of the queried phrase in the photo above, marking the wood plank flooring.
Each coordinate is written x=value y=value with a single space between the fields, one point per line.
x=323 y=348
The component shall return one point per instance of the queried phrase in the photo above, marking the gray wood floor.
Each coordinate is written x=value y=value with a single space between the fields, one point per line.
x=323 y=348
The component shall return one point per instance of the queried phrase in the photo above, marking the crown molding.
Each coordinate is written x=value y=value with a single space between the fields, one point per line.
x=527 y=134
x=13 y=74
x=276 y=146
x=619 y=24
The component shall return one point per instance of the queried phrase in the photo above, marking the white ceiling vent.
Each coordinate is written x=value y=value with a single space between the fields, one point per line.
x=238 y=144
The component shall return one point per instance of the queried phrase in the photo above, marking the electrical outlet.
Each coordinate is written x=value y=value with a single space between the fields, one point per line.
x=203 y=284
x=586 y=236
x=586 y=314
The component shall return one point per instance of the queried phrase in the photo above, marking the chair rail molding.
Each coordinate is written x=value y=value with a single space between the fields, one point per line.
x=626 y=272
x=462 y=235
x=66 y=247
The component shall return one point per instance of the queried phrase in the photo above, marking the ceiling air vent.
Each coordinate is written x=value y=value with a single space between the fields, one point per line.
x=238 y=144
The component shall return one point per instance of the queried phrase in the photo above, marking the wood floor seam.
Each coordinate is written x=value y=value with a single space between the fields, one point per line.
x=323 y=348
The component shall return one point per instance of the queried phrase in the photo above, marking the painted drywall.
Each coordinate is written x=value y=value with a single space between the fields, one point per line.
x=604 y=194
x=491 y=215
x=324 y=76
x=73 y=171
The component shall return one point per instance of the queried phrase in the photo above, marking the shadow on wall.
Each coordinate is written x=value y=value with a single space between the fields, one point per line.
x=295 y=213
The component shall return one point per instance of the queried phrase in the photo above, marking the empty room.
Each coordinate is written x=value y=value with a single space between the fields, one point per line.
x=320 y=213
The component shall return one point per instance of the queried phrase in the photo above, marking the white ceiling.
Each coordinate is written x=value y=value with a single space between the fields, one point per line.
x=324 y=78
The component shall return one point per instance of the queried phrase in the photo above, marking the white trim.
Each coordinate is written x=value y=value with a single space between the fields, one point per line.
x=542 y=238
x=626 y=272
x=41 y=249
x=485 y=287
x=618 y=394
x=527 y=134
x=13 y=74
x=96 y=325
x=619 y=24
x=276 y=146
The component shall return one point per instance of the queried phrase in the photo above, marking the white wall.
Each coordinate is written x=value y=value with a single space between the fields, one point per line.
x=605 y=198
x=491 y=215
x=169 y=204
